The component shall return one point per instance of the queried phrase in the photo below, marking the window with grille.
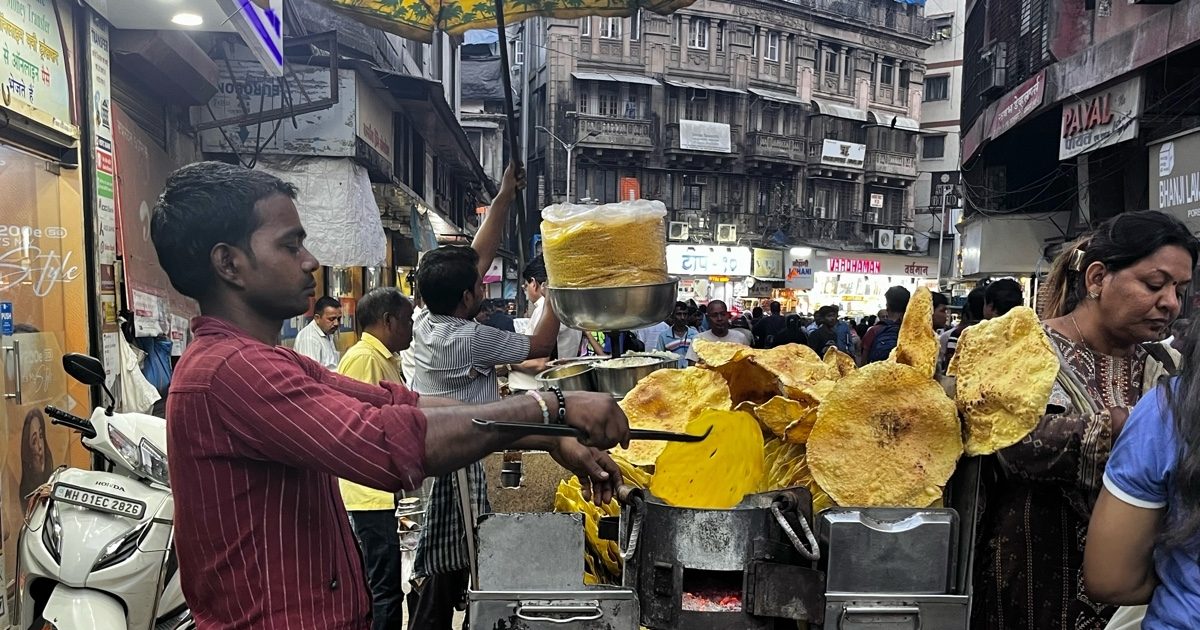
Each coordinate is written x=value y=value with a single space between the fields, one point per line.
x=772 y=53
x=937 y=88
x=720 y=36
x=942 y=28
x=933 y=147
x=676 y=30
x=585 y=27
x=635 y=26
x=770 y=118
x=584 y=98
x=610 y=28
x=831 y=60
x=696 y=106
x=693 y=196
x=698 y=38
x=888 y=72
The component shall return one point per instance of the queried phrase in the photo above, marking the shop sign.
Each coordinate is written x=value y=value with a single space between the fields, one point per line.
x=846 y=154
x=33 y=71
x=855 y=265
x=325 y=133
x=1101 y=119
x=1175 y=178
x=768 y=264
x=1018 y=104
x=698 y=135
x=102 y=139
x=876 y=200
x=913 y=269
x=800 y=274
x=718 y=278
x=707 y=260
x=373 y=121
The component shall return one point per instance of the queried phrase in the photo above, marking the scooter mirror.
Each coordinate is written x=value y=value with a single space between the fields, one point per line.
x=85 y=369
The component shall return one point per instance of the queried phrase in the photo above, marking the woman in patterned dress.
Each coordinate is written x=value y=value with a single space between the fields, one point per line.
x=1111 y=296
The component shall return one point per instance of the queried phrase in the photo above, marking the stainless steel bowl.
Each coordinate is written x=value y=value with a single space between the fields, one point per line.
x=619 y=380
x=615 y=308
x=569 y=378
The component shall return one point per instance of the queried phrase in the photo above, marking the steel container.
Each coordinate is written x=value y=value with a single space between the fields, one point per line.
x=576 y=377
x=619 y=380
x=615 y=308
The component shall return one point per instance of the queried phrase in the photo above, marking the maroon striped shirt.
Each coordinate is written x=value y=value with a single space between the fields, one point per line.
x=258 y=436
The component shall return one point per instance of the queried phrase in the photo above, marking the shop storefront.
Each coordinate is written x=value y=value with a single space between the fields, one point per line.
x=856 y=281
x=44 y=298
x=710 y=272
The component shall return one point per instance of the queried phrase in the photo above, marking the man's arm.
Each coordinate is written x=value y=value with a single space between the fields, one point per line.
x=544 y=340
x=374 y=436
x=491 y=230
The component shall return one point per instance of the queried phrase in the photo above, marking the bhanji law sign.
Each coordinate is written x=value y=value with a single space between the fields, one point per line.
x=1175 y=177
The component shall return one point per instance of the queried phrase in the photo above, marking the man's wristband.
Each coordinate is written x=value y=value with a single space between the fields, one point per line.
x=562 y=405
x=542 y=404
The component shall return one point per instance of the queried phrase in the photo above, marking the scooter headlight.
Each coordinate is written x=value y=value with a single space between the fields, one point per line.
x=154 y=462
x=52 y=532
x=122 y=547
x=125 y=446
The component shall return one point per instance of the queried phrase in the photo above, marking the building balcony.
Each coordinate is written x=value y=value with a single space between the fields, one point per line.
x=891 y=164
x=846 y=231
x=628 y=134
x=885 y=15
x=770 y=147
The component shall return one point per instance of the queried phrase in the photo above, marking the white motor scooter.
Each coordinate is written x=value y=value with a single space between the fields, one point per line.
x=96 y=550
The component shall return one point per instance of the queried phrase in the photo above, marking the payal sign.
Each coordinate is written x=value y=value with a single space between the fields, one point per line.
x=1101 y=119
x=708 y=260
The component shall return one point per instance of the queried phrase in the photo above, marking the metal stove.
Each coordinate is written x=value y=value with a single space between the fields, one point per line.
x=745 y=568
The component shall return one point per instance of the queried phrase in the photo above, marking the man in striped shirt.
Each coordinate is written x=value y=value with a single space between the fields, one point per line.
x=258 y=434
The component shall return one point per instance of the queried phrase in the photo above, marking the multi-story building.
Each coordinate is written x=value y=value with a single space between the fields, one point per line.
x=1067 y=108
x=937 y=194
x=756 y=121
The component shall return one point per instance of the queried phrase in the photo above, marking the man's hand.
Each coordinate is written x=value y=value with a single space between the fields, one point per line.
x=514 y=180
x=598 y=416
x=598 y=474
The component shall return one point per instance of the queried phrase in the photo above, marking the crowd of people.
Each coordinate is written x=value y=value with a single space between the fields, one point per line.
x=272 y=448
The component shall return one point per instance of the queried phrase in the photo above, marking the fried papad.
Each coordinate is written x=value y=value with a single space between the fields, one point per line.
x=667 y=400
x=887 y=436
x=795 y=365
x=779 y=412
x=841 y=361
x=1005 y=372
x=716 y=473
x=917 y=345
x=718 y=354
x=787 y=467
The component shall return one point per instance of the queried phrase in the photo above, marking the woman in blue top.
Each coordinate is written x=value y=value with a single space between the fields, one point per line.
x=1143 y=544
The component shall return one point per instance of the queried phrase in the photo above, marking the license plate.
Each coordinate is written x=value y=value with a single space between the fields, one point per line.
x=98 y=501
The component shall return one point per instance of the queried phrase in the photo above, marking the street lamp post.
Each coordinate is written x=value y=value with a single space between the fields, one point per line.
x=570 y=149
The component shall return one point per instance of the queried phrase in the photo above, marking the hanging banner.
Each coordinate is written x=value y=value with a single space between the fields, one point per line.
x=800 y=274
x=1101 y=119
x=102 y=139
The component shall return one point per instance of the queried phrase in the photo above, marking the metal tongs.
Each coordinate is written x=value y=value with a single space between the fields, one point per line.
x=518 y=429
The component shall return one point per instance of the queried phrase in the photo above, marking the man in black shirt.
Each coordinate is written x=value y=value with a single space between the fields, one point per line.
x=826 y=333
x=768 y=327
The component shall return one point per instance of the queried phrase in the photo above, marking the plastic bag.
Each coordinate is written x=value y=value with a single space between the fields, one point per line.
x=616 y=244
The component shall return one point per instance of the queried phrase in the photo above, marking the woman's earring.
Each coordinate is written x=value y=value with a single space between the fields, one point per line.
x=1095 y=295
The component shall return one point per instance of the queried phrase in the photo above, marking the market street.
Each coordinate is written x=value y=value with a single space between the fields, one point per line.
x=653 y=314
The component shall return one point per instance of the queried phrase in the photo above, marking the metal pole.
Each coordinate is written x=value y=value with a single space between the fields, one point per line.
x=570 y=173
x=942 y=238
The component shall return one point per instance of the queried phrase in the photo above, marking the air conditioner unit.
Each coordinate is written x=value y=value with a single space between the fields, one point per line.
x=995 y=70
x=726 y=233
x=678 y=231
x=821 y=212
x=882 y=239
x=904 y=242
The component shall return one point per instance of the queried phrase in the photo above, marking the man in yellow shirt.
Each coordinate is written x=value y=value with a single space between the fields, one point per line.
x=385 y=318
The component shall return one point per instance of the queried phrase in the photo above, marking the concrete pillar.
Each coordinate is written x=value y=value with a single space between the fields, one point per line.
x=712 y=43
x=762 y=49
x=595 y=21
x=625 y=37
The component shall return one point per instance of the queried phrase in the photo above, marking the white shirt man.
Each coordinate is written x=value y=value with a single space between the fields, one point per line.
x=569 y=342
x=718 y=319
x=315 y=340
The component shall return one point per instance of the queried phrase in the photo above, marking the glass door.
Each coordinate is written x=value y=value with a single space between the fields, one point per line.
x=43 y=314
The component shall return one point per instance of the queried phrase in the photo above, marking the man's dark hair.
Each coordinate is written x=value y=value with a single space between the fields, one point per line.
x=205 y=204
x=756 y=312
x=776 y=308
x=974 y=309
x=1004 y=295
x=897 y=299
x=323 y=303
x=377 y=304
x=940 y=299
x=711 y=303
x=535 y=270
x=444 y=274
x=828 y=310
